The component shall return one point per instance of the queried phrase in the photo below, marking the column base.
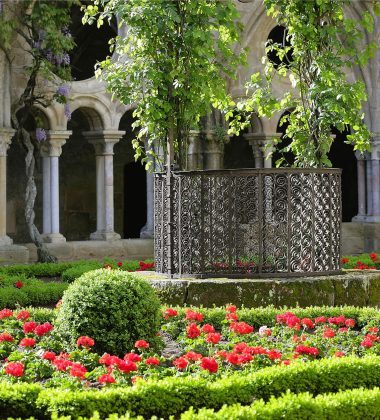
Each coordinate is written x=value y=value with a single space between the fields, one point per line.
x=5 y=241
x=52 y=238
x=13 y=254
x=369 y=219
x=146 y=232
x=104 y=236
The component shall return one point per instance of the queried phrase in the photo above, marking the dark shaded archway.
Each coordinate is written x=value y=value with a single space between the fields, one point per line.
x=134 y=199
x=238 y=153
x=286 y=157
x=278 y=35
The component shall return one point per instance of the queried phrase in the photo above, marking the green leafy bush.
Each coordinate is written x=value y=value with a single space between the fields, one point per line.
x=77 y=270
x=173 y=396
x=113 y=307
x=351 y=404
x=38 y=269
x=19 y=400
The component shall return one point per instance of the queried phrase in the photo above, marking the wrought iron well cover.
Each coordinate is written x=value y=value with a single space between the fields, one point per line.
x=248 y=222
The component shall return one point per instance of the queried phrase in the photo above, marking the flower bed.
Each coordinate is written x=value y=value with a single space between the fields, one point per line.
x=362 y=262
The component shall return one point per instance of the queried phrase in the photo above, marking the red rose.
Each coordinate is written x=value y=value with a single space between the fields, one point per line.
x=213 y=338
x=27 y=342
x=180 y=363
x=29 y=327
x=85 y=342
x=207 y=328
x=152 y=361
x=106 y=379
x=23 y=315
x=6 y=337
x=19 y=284
x=49 y=355
x=142 y=344
x=15 y=369
x=210 y=364
x=5 y=313
x=193 y=331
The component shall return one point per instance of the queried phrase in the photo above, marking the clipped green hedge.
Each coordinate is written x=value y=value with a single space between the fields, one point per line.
x=173 y=396
x=19 y=400
x=351 y=404
x=38 y=269
x=32 y=291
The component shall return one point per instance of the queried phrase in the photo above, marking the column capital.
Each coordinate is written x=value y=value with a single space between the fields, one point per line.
x=6 y=135
x=52 y=147
x=260 y=138
x=103 y=140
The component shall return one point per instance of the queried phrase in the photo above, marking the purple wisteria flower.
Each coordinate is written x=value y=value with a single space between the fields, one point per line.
x=67 y=112
x=40 y=134
x=64 y=90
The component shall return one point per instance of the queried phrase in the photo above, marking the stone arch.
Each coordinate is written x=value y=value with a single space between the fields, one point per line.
x=98 y=113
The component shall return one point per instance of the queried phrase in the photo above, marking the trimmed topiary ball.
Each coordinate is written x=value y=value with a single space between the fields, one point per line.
x=114 y=307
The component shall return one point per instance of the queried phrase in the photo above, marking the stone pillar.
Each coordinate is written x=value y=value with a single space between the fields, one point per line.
x=262 y=148
x=373 y=182
x=213 y=152
x=361 y=165
x=51 y=150
x=147 y=231
x=5 y=140
x=194 y=155
x=104 y=142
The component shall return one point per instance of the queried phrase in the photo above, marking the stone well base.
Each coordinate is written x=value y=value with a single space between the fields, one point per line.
x=352 y=288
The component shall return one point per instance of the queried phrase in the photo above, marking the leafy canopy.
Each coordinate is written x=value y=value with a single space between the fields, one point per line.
x=323 y=44
x=171 y=61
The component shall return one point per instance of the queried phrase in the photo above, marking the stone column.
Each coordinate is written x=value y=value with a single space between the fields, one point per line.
x=262 y=148
x=373 y=182
x=361 y=165
x=194 y=155
x=5 y=140
x=213 y=152
x=51 y=150
x=104 y=142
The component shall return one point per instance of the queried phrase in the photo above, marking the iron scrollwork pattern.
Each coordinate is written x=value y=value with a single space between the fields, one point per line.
x=249 y=222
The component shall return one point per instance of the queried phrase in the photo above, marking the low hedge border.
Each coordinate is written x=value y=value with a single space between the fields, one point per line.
x=173 y=396
x=352 y=404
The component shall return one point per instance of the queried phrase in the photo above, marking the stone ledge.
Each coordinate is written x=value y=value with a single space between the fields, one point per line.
x=351 y=288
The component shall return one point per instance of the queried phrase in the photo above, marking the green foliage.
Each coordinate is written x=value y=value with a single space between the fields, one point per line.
x=77 y=270
x=32 y=292
x=173 y=396
x=324 y=43
x=39 y=269
x=113 y=307
x=176 y=56
x=351 y=404
x=19 y=400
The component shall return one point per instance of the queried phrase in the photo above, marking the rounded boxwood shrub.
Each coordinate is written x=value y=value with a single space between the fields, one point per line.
x=114 y=307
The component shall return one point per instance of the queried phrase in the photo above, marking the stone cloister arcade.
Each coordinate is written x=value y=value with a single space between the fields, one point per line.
x=85 y=171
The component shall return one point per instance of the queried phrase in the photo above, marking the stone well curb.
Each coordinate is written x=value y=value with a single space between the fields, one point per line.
x=350 y=288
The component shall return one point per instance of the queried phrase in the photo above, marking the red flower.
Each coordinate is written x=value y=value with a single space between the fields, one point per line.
x=231 y=308
x=142 y=344
x=374 y=257
x=232 y=317
x=339 y=320
x=286 y=362
x=23 y=315
x=241 y=328
x=312 y=351
x=192 y=355
x=19 y=284
x=207 y=328
x=193 y=331
x=132 y=357
x=152 y=361
x=85 y=342
x=15 y=369
x=367 y=342
x=61 y=364
x=126 y=366
x=180 y=363
x=106 y=379
x=264 y=331
x=320 y=320
x=221 y=353
x=27 y=342
x=339 y=354
x=328 y=333
x=49 y=355
x=373 y=330
x=5 y=313
x=274 y=354
x=29 y=327
x=307 y=322
x=213 y=338
x=6 y=337
x=345 y=260
x=194 y=316
x=77 y=370
x=119 y=264
x=169 y=313
x=210 y=364
x=350 y=323
x=43 y=329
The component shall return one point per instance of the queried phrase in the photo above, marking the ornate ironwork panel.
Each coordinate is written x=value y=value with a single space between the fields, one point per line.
x=249 y=222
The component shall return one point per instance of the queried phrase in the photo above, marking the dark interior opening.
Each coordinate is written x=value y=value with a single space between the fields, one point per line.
x=135 y=211
x=278 y=36
x=288 y=157
x=91 y=44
